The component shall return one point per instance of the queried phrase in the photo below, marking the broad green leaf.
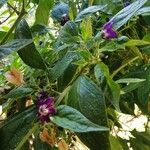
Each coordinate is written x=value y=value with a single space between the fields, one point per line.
x=137 y=43
x=86 y=97
x=90 y=10
x=73 y=120
x=138 y=145
x=99 y=74
x=26 y=137
x=69 y=33
x=126 y=13
x=19 y=92
x=28 y=54
x=86 y=28
x=129 y=80
x=115 y=144
x=143 y=137
x=15 y=129
x=111 y=46
x=114 y=87
x=72 y=10
x=62 y=65
x=66 y=77
x=42 y=12
x=15 y=45
x=144 y=11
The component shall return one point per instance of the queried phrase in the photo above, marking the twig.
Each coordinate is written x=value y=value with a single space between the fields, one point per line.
x=7 y=18
x=16 y=11
x=22 y=13
x=123 y=66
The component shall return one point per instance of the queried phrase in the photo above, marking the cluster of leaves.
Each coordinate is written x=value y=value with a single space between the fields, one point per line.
x=92 y=79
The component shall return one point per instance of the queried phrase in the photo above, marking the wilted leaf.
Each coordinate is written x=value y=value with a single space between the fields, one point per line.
x=14 y=76
x=48 y=136
x=62 y=145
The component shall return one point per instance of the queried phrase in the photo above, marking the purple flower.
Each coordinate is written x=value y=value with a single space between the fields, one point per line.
x=108 y=31
x=126 y=3
x=45 y=107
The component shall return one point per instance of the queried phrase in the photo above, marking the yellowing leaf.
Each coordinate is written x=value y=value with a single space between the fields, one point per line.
x=62 y=145
x=14 y=76
x=47 y=137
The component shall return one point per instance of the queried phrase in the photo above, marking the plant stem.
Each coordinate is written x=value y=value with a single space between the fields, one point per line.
x=22 y=13
x=17 y=12
x=123 y=66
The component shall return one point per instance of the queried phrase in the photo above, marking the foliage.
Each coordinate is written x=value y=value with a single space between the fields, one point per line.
x=87 y=60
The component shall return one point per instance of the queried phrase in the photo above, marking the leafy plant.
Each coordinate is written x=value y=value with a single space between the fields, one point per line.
x=69 y=69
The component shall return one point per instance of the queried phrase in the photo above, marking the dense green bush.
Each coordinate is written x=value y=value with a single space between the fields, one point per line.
x=69 y=69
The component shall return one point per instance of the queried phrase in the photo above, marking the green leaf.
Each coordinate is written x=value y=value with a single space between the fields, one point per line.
x=69 y=33
x=19 y=92
x=90 y=10
x=125 y=14
x=66 y=77
x=86 y=29
x=114 y=87
x=136 y=43
x=86 y=97
x=44 y=7
x=138 y=145
x=142 y=137
x=26 y=137
x=15 y=45
x=15 y=129
x=28 y=54
x=144 y=11
x=142 y=93
x=111 y=46
x=14 y=95
x=129 y=80
x=115 y=144
x=73 y=120
x=62 y=65
x=131 y=87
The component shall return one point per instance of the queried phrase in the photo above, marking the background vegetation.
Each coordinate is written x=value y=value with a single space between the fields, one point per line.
x=91 y=60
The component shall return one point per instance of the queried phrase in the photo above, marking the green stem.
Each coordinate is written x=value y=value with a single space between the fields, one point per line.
x=123 y=66
x=62 y=95
x=22 y=13
x=25 y=138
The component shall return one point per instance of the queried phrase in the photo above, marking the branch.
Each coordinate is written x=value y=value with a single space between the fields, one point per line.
x=1 y=22
x=22 y=13
x=123 y=66
x=16 y=11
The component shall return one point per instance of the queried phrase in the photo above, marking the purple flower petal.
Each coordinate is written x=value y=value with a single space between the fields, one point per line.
x=108 y=31
x=45 y=106
x=108 y=25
